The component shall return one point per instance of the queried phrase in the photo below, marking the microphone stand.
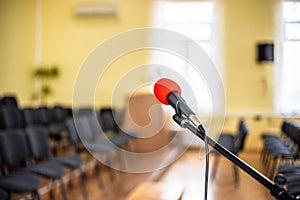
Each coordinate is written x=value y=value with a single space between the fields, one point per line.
x=275 y=189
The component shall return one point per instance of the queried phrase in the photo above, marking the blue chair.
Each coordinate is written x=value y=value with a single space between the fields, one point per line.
x=38 y=137
x=13 y=153
x=235 y=144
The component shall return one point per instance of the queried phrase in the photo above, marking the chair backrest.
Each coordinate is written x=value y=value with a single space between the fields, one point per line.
x=73 y=135
x=1 y=103
x=11 y=117
x=3 y=194
x=84 y=111
x=284 y=127
x=94 y=126
x=107 y=121
x=293 y=132
x=59 y=113
x=10 y=100
x=297 y=139
x=79 y=129
x=69 y=112
x=31 y=116
x=72 y=131
x=83 y=128
x=38 y=138
x=1 y=117
x=45 y=115
x=13 y=148
x=240 y=138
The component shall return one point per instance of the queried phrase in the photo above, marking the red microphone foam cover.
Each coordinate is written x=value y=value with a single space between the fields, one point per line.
x=163 y=87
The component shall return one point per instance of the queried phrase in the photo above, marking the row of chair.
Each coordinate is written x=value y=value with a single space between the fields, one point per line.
x=29 y=151
x=280 y=155
x=32 y=128
x=13 y=117
x=91 y=126
x=98 y=134
x=278 y=149
x=54 y=118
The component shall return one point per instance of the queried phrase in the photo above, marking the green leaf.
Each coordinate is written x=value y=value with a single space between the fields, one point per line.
x=46 y=90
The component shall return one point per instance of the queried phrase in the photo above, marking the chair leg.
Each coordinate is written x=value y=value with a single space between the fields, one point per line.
x=98 y=175
x=70 y=183
x=111 y=174
x=9 y=195
x=236 y=175
x=83 y=185
x=263 y=153
x=110 y=170
x=268 y=162
x=35 y=194
x=273 y=167
x=215 y=166
x=63 y=190
x=52 y=191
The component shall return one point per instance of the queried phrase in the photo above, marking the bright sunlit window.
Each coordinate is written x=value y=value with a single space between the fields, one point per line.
x=289 y=100
x=194 y=19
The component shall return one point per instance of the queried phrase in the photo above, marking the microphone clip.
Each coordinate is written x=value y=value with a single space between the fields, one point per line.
x=178 y=119
x=184 y=122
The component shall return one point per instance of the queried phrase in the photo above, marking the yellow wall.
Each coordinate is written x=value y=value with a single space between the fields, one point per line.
x=67 y=41
x=17 y=36
x=248 y=84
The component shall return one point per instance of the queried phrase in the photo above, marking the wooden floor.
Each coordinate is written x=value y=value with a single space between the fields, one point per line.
x=187 y=171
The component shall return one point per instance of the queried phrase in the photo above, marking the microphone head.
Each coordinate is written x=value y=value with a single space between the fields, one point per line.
x=163 y=87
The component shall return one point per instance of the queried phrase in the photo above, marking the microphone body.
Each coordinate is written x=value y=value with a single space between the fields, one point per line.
x=178 y=103
x=181 y=108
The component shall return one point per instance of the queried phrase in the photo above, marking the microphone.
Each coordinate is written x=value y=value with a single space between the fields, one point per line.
x=168 y=92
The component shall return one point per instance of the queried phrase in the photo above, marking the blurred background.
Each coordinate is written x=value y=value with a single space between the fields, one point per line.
x=254 y=45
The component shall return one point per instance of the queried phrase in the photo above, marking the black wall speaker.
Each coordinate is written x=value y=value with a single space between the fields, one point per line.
x=265 y=52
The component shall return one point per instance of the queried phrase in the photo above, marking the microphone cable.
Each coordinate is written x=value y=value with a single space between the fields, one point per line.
x=206 y=166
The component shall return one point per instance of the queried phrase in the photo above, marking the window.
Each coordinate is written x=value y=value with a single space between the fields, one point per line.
x=289 y=95
x=193 y=19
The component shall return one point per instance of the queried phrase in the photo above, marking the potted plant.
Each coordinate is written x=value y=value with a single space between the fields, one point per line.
x=45 y=75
